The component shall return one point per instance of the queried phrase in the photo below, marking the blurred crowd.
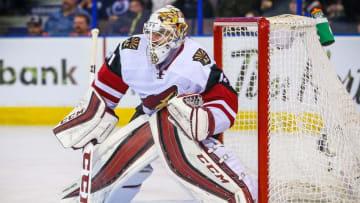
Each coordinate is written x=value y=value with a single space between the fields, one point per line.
x=126 y=17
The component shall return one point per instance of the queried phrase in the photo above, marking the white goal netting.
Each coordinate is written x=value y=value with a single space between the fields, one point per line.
x=314 y=130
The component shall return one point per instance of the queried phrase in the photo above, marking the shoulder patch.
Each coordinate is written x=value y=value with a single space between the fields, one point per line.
x=201 y=56
x=131 y=43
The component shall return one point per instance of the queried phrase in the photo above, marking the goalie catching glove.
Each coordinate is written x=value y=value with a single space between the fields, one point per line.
x=90 y=121
x=188 y=113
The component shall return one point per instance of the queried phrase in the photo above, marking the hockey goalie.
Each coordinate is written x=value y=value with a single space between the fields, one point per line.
x=187 y=102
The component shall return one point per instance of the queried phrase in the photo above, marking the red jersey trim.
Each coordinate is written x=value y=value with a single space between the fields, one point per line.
x=106 y=95
x=220 y=92
x=222 y=108
x=106 y=76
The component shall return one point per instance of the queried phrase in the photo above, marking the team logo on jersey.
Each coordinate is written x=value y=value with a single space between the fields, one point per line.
x=131 y=43
x=154 y=58
x=159 y=101
x=201 y=56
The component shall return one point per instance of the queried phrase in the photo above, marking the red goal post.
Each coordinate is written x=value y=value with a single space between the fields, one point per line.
x=295 y=131
x=263 y=76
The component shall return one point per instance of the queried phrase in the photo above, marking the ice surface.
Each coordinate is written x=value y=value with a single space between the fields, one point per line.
x=35 y=168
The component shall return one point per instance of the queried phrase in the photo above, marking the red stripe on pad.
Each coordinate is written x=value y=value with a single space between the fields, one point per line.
x=123 y=158
x=128 y=152
x=178 y=163
x=80 y=116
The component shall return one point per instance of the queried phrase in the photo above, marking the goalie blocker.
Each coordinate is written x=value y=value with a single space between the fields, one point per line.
x=91 y=120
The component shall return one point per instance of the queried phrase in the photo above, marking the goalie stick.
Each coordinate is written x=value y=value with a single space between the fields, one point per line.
x=87 y=154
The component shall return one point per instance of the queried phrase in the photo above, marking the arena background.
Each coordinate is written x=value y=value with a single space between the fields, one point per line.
x=42 y=79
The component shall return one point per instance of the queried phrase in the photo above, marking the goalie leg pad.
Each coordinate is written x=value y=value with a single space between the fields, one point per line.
x=199 y=167
x=118 y=159
x=225 y=158
x=126 y=192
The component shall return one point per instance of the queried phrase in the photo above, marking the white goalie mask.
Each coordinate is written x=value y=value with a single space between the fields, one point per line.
x=165 y=31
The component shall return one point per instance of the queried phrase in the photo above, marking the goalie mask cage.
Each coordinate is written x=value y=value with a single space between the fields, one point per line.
x=296 y=130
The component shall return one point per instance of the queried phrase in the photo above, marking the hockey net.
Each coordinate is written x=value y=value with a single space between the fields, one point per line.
x=296 y=129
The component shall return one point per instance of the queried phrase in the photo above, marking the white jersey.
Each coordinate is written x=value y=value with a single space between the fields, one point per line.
x=190 y=70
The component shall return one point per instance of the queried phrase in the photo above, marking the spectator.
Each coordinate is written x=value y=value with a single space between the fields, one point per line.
x=240 y=8
x=293 y=7
x=352 y=12
x=332 y=8
x=111 y=9
x=189 y=8
x=61 y=22
x=132 y=22
x=342 y=13
x=266 y=4
x=14 y=7
x=81 y=25
x=335 y=9
x=87 y=6
x=34 y=26
x=277 y=7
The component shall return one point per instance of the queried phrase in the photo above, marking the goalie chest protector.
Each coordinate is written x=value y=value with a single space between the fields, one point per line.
x=187 y=73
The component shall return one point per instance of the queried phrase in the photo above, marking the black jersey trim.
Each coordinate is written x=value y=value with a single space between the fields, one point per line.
x=113 y=62
x=218 y=77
